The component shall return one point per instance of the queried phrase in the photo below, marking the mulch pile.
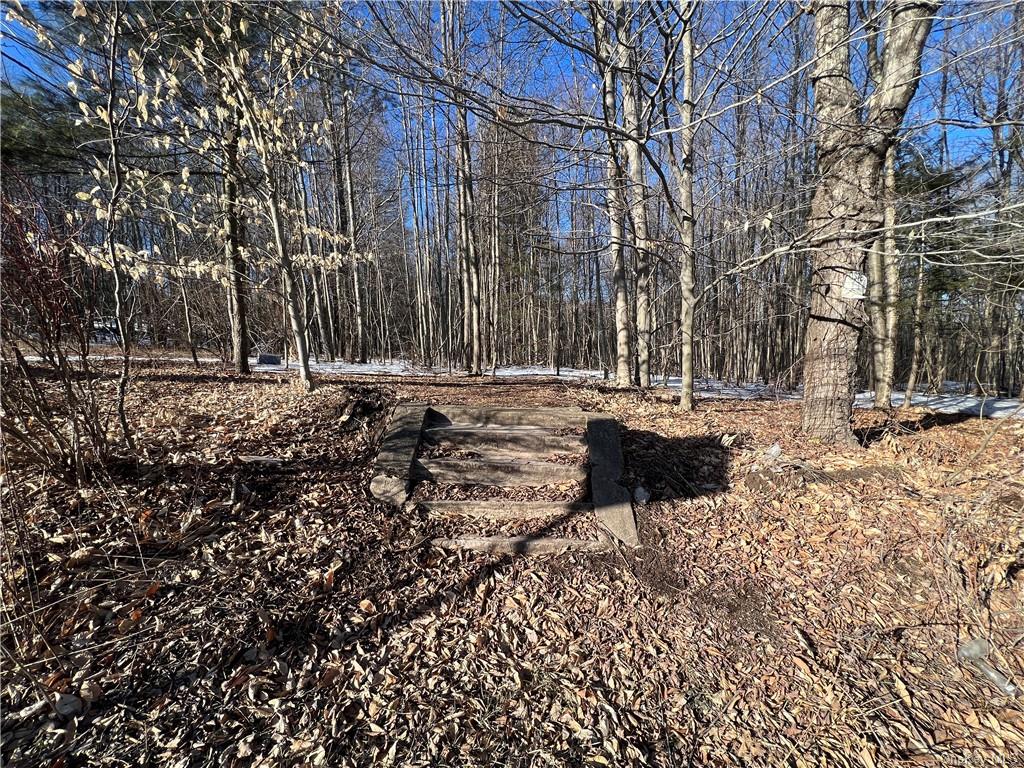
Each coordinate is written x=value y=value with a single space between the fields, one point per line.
x=234 y=596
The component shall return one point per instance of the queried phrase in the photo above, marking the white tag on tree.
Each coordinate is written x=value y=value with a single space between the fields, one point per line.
x=855 y=286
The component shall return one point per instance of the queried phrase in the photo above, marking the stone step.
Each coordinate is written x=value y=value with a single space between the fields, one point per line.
x=612 y=503
x=522 y=545
x=535 y=442
x=507 y=454
x=397 y=450
x=491 y=416
x=504 y=510
x=499 y=473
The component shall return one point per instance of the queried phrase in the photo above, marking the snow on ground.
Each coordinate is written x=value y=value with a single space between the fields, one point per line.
x=949 y=401
x=374 y=367
x=993 y=407
x=536 y=370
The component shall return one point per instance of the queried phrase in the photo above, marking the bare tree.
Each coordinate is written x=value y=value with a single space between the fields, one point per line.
x=614 y=202
x=687 y=269
x=626 y=57
x=845 y=213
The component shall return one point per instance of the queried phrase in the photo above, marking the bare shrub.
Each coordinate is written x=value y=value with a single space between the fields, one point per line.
x=49 y=411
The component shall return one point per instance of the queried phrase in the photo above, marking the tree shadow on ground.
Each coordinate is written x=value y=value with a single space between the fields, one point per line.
x=674 y=467
x=899 y=423
x=664 y=469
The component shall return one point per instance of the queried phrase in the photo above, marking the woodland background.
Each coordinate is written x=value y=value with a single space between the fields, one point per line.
x=433 y=182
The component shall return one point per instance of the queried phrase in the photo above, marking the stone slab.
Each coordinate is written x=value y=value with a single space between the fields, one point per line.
x=397 y=453
x=612 y=504
x=522 y=545
x=500 y=416
x=503 y=474
x=505 y=510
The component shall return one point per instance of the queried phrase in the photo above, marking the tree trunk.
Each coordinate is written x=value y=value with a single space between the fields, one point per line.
x=359 y=318
x=471 y=255
x=319 y=276
x=875 y=307
x=319 y=302
x=883 y=291
x=233 y=255
x=614 y=202
x=186 y=308
x=687 y=277
x=637 y=191
x=495 y=262
x=122 y=311
x=915 y=355
x=291 y=296
x=845 y=214
x=891 y=274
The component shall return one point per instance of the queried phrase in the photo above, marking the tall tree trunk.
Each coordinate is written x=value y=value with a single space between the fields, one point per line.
x=454 y=33
x=637 y=189
x=464 y=280
x=891 y=273
x=614 y=202
x=319 y=303
x=468 y=229
x=687 y=276
x=495 y=260
x=883 y=291
x=875 y=308
x=292 y=287
x=845 y=212
x=915 y=355
x=186 y=307
x=233 y=255
x=319 y=276
x=122 y=311
x=359 y=318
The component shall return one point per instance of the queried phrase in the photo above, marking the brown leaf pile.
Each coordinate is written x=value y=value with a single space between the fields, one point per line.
x=235 y=596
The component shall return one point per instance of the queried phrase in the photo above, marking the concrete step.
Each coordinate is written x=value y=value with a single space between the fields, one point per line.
x=491 y=416
x=612 y=503
x=500 y=473
x=505 y=510
x=397 y=450
x=530 y=442
x=522 y=545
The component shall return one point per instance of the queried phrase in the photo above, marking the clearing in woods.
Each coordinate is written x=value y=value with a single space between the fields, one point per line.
x=238 y=594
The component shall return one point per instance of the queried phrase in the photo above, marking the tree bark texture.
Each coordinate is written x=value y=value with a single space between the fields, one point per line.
x=846 y=214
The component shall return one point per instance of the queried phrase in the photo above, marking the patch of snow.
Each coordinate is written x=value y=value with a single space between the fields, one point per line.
x=992 y=407
x=372 y=368
x=540 y=370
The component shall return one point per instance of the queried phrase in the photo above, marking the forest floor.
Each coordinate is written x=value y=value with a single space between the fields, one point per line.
x=234 y=596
